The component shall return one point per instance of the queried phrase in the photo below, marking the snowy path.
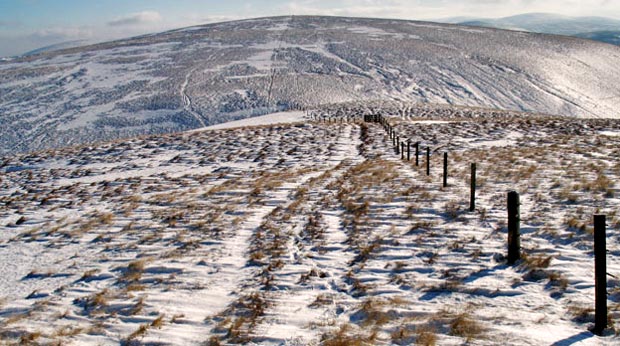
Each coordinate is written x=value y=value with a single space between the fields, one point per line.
x=187 y=101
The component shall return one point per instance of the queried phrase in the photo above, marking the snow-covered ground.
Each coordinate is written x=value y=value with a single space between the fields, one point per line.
x=312 y=233
x=269 y=119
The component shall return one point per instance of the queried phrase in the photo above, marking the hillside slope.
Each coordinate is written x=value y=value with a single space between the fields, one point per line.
x=547 y=23
x=199 y=76
x=313 y=233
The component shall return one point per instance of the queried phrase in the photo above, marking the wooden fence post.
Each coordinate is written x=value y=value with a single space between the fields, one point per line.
x=514 y=218
x=402 y=150
x=417 y=153
x=409 y=150
x=472 y=193
x=428 y=161
x=600 y=275
x=397 y=145
x=445 y=169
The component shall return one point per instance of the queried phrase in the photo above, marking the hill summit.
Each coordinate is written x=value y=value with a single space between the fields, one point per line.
x=194 y=77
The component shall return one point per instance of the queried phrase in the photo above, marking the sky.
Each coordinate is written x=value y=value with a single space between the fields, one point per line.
x=29 y=24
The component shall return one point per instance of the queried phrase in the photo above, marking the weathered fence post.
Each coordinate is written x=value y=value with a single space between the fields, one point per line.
x=408 y=150
x=393 y=138
x=514 y=218
x=402 y=150
x=417 y=153
x=472 y=193
x=600 y=275
x=428 y=161
x=445 y=169
x=397 y=145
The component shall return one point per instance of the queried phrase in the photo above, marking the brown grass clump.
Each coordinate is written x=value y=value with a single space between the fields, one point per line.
x=536 y=262
x=140 y=332
x=158 y=322
x=464 y=326
x=106 y=218
x=322 y=299
x=581 y=314
x=95 y=303
x=452 y=210
x=65 y=331
x=343 y=337
x=373 y=314
x=29 y=338
x=425 y=336
x=138 y=307
x=133 y=273
x=89 y=274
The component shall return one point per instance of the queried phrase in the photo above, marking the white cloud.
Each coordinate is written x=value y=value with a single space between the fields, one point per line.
x=140 y=18
x=62 y=33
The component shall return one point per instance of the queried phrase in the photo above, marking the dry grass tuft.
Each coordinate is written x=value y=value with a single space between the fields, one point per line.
x=425 y=336
x=464 y=326
x=536 y=261
x=158 y=322
x=343 y=337
x=133 y=273
x=140 y=332
x=581 y=314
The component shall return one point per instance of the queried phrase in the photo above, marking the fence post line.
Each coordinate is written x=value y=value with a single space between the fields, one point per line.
x=514 y=218
x=428 y=161
x=472 y=193
x=600 y=275
x=445 y=169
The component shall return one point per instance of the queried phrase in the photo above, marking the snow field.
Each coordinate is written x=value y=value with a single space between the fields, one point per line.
x=311 y=233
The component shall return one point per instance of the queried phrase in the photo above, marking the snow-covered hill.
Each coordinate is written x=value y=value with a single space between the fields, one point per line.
x=547 y=23
x=204 y=75
x=313 y=233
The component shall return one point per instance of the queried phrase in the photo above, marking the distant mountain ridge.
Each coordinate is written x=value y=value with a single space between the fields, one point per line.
x=595 y=28
x=194 y=77
x=612 y=37
x=56 y=46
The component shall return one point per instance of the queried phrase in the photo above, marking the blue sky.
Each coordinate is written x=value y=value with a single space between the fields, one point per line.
x=30 y=24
